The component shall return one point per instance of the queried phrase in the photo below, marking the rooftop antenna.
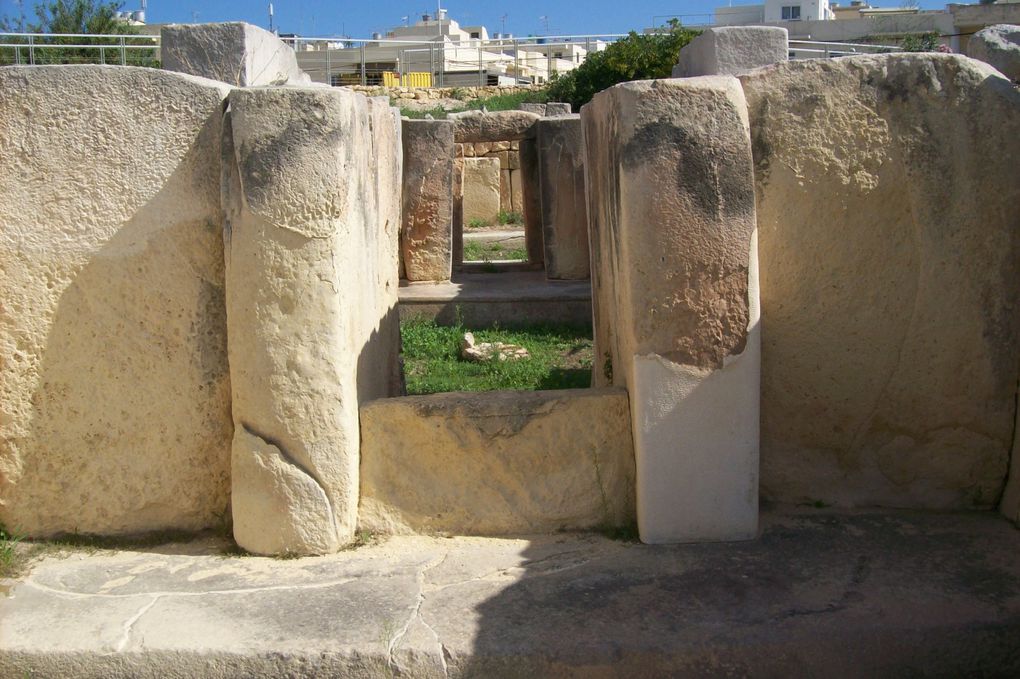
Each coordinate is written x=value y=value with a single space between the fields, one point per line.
x=194 y=16
x=502 y=21
x=545 y=22
x=271 y=18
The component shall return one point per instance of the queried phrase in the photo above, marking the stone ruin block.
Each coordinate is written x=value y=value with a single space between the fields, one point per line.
x=448 y=462
x=731 y=50
x=892 y=338
x=671 y=206
x=236 y=53
x=999 y=46
x=485 y=128
x=114 y=386
x=531 y=201
x=480 y=190
x=311 y=181
x=557 y=108
x=426 y=238
x=564 y=213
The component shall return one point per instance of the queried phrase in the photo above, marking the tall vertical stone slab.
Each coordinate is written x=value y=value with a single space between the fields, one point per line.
x=114 y=388
x=671 y=208
x=531 y=201
x=426 y=246
x=480 y=191
x=564 y=213
x=893 y=337
x=234 y=52
x=311 y=274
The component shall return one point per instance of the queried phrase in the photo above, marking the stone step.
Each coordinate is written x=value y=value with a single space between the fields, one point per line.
x=509 y=298
x=869 y=594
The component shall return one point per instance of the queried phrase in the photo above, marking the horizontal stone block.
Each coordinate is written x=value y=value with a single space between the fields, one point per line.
x=497 y=463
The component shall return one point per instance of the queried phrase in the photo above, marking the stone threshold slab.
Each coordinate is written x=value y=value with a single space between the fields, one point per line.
x=511 y=286
x=818 y=594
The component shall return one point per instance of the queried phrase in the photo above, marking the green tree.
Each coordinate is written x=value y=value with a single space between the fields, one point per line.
x=90 y=17
x=636 y=57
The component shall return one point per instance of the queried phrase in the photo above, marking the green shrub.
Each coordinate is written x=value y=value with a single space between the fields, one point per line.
x=920 y=42
x=510 y=217
x=636 y=57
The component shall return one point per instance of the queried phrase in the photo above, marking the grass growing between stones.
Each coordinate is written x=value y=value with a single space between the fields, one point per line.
x=478 y=251
x=561 y=358
x=497 y=102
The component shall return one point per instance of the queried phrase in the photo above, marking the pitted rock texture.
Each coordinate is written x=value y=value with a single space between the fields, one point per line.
x=114 y=389
x=999 y=46
x=498 y=462
x=480 y=200
x=564 y=210
x=426 y=237
x=890 y=255
x=731 y=50
x=311 y=281
x=476 y=126
x=671 y=207
x=236 y=53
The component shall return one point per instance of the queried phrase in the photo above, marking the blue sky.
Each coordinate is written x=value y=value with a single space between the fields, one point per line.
x=360 y=19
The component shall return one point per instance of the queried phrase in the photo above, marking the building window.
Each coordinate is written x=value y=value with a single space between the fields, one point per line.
x=791 y=13
x=478 y=35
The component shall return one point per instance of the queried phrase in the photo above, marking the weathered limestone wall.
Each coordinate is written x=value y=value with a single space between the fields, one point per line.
x=732 y=50
x=999 y=46
x=497 y=463
x=564 y=212
x=671 y=208
x=511 y=195
x=311 y=277
x=236 y=53
x=889 y=210
x=114 y=389
x=532 y=190
x=426 y=238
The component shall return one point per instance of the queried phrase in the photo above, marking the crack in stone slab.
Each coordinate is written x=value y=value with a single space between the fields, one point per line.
x=131 y=622
x=69 y=594
x=416 y=615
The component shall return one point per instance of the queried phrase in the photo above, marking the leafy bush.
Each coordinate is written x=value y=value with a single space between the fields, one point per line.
x=506 y=217
x=636 y=57
x=920 y=42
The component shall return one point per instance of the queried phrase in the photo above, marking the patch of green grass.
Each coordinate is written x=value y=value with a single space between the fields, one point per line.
x=561 y=357
x=626 y=533
x=437 y=112
x=510 y=217
x=477 y=223
x=497 y=102
x=12 y=557
x=477 y=251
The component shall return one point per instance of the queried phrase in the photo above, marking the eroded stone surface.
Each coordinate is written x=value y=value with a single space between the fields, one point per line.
x=311 y=277
x=236 y=53
x=497 y=463
x=731 y=50
x=999 y=46
x=564 y=211
x=475 y=126
x=114 y=391
x=480 y=191
x=888 y=206
x=426 y=246
x=819 y=594
x=671 y=208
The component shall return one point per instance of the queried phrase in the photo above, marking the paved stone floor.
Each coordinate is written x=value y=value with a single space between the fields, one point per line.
x=818 y=594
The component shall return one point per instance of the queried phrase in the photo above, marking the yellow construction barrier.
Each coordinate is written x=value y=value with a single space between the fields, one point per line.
x=391 y=79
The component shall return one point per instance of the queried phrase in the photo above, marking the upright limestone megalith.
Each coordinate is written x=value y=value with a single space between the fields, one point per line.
x=564 y=212
x=234 y=52
x=426 y=236
x=114 y=388
x=311 y=283
x=671 y=210
x=889 y=208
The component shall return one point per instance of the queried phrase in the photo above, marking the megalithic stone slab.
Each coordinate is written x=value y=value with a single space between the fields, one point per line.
x=476 y=126
x=731 y=50
x=564 y=213
x=310 y=275
x=893 y=337
x=426 y=238
x=531 y=201
x=114 y=386
x=671 y=207
x=481 y=190
x=234 y=52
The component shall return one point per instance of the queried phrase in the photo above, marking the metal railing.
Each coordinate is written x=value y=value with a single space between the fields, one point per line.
x=78 y=48
x=815 y=49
